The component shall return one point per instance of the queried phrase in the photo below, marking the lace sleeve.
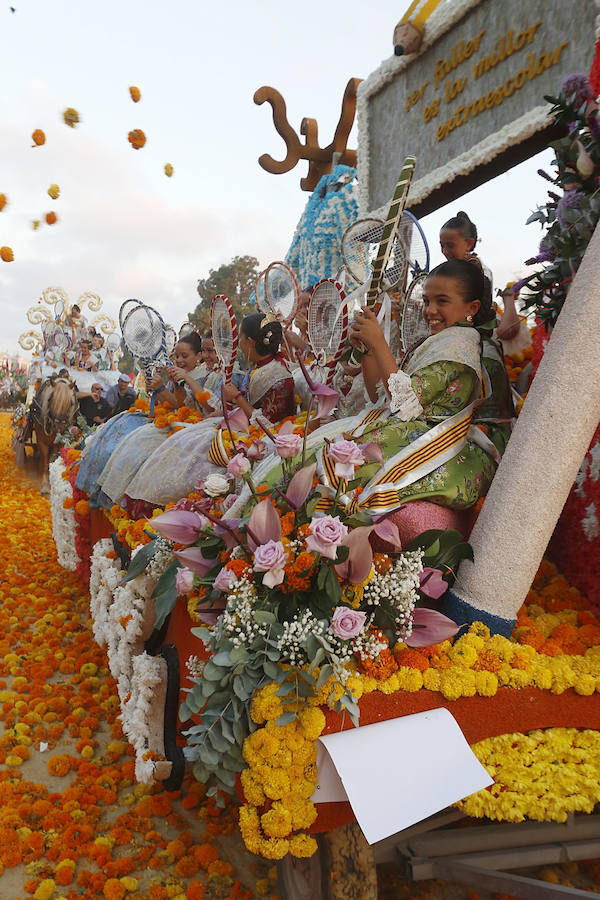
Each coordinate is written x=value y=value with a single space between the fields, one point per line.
x=404 y=403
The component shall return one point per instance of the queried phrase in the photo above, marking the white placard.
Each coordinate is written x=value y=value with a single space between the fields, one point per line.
x=398 y=772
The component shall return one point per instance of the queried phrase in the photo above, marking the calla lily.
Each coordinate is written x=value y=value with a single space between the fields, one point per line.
x=194 y=559
x=430 y=627
x=372 y=451
x=388 y=532
x=300 y=485
x=327 y=398
x=432 y=583
x=360 y=558
x=585 y=163
x=179 y=525
x=237 y=420
x=264 y=525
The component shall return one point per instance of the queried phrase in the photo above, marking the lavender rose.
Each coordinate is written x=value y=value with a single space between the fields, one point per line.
x=270 y=558
x=326 y=535
x=346 y=623
x=346 y=456
x=288 y=445
x=224 y=580
x=238 y=466
x=184 y=580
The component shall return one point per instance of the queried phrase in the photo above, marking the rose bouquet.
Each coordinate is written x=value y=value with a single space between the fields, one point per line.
x=287 y=595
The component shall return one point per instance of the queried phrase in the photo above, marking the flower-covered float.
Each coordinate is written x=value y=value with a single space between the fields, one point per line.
x=286 y=625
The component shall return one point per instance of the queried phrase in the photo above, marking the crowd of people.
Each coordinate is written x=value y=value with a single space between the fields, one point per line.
x=393 y=402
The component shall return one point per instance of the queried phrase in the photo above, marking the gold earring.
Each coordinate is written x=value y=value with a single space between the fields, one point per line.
x=470 y=319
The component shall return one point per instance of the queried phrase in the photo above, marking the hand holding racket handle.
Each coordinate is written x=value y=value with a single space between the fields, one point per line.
x=390 y=230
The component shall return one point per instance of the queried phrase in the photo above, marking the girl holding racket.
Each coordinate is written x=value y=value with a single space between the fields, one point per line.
x=268 y=385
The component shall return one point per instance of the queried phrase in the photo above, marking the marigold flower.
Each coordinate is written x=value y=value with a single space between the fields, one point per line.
x=169 y=172
x=71 y=117
x=135 y=93
x=3 y=201
x=136 y=138
x=6 y=254
x=38 y=137
x=54 y=191
x=51 y=218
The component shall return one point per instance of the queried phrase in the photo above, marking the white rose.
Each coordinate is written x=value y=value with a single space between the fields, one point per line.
x=215 y=485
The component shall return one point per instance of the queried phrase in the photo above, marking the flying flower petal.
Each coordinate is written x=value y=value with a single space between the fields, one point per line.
x=300 y=485
x=264 y=525
x=430 y=627
x=432 y=582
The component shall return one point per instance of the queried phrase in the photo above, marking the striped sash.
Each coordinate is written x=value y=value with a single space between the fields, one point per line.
x=381 y=494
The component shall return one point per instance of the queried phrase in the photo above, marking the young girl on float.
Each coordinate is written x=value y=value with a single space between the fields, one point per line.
x=427 y=408
x=175 y=468
x=458 y=237
x=130 y=452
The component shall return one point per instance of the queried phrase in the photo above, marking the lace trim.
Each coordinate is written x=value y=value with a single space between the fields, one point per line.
x=404 y=402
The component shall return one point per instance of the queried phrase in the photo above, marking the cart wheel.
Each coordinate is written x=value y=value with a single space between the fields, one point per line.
x=173 y=751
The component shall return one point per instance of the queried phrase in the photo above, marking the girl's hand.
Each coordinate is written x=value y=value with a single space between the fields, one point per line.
x=176 y=373
x=230 y=392
x=155 y=382
x=366 y=330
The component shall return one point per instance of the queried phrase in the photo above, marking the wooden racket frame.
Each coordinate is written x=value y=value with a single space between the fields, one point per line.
x=343 y=311
x=227 y=368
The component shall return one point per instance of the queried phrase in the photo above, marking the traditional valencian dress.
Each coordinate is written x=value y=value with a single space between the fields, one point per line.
x=431 y=449
x=123 y=454
x=176 y=467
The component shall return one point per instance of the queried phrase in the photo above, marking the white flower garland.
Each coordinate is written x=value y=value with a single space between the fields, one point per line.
x=63 y=520
x=105 y=577
x=142 y=717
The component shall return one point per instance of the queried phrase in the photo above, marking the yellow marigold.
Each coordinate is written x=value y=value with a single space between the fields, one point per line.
x=303 y=845
x=45 y=889
x=409 y=679
x=71 y=117
x=277 y=822
x=303 y=811
x=259 y=746
x=486 y=683
x=585 y=685
x=135 y=93
x=463 y=654
x=450 y=685
x=312 y=720
x=431 y=679
x=275 y=783
x=265 y=704
x=168 y=170
x=54 y=191
x=253 y=791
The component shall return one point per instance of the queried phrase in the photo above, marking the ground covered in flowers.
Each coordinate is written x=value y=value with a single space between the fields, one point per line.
x=73 y=822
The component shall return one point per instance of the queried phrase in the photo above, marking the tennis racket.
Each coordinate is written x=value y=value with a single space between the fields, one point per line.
x=282 y=292
x=170 y=339
x=327 y=324
x=144 y=335
x=259 y=291
x=126 y=308
x=225 y=334
x=413 y=328
x=186 y=328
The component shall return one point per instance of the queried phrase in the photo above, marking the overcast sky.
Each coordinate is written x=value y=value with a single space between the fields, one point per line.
x=125 y=229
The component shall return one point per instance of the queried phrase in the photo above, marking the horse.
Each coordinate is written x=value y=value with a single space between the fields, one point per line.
x=53 y=409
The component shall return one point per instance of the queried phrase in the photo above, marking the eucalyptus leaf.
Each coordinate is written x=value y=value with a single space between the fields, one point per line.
x=285 y=718
x=165 y=593
x=140 y=561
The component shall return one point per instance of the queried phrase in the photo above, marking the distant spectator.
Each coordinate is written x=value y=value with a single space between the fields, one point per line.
x=85 y=358
x=120 y=396
x=94 y=409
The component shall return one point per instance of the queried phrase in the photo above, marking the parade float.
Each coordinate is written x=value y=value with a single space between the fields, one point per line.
x=253 y=666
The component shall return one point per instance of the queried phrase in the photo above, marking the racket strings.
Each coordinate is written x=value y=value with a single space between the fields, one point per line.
x=144 y=332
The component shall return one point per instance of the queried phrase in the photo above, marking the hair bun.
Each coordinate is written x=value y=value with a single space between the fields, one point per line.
x=461 y=214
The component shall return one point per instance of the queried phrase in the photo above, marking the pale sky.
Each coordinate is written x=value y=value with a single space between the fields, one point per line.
x=125 y=229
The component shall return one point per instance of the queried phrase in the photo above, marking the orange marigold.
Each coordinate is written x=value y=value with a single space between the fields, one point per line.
x=136 y=138
x=51 y=217
x=135 y=93
x=59 y=765
x=6 y=254
x=82 y=508
x=411 y=658
x=38 y=137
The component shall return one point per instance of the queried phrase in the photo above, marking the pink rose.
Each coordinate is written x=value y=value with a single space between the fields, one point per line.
x=346 y=623
x=326 y=535
x=184 y=580
x=238 y=466
x=270 y=558
x=257 y=450
x=346 y=456
x=288 y=445
x=224 y=580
